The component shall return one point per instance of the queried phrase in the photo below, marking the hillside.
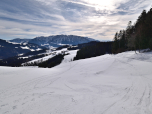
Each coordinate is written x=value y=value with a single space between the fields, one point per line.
x=8 y=49
x=108 y=84
x=50 y=56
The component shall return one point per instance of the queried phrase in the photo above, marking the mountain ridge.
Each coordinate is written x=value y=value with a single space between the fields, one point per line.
x=55 y=40
x=20 y=40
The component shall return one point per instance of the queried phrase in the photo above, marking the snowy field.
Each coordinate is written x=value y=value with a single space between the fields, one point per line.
x=52 y=54
x=108 y=84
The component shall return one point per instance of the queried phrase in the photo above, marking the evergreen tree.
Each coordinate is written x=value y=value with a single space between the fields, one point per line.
x=115 y=45
x=137 y=36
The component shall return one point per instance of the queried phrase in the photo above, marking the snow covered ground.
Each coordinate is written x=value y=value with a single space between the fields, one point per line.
x=108 y=84
x=67 y=58
x=51 y=54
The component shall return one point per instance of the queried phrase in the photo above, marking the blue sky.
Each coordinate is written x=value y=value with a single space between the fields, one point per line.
x=98 y=19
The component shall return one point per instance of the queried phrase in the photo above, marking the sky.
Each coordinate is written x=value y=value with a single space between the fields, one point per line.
x=98 y=19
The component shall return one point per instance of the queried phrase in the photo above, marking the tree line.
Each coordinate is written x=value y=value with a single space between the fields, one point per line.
x=17 y=61
x=93 y=50
x=52 y=62
x=137 y=36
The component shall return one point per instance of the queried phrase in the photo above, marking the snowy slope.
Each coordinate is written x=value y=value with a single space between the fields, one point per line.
x=108 y=84
x=51 y=54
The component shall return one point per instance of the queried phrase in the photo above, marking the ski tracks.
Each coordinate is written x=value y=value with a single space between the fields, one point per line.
x=28 y=92
x=137 y=96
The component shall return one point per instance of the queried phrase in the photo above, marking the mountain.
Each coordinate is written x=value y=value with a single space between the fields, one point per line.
x=56 y=41
x=19 y=40
x=59 y=40
x=8 y=49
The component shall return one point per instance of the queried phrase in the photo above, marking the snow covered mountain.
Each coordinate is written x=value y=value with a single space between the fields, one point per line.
x=9 y=49
x=56 y=41
x=59 y=40
x=108 y=84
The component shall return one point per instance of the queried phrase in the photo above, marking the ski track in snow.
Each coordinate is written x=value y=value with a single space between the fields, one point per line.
x=108 y=84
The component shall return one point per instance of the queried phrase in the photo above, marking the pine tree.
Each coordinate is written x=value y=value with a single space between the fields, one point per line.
x=115 y=45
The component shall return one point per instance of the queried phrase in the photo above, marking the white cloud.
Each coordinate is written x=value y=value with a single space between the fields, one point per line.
x=98 y=19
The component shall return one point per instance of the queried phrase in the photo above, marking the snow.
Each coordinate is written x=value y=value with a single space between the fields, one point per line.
x=62 y=44
x=44 y=44
x=12 y=42
x=70 y=57
x=42 y=59
x=24 y=43
x=25 y=47
x=108 y=84
x=23 y=57
x=51 y=54
x=32 y=49
x=38 y=49
x=21 y=54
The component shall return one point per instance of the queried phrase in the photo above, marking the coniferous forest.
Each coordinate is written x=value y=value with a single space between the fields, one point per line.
x=137 y=36
x=96 y=49
x=54 y=61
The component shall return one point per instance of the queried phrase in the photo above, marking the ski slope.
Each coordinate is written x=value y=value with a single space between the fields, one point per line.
x=108 y=84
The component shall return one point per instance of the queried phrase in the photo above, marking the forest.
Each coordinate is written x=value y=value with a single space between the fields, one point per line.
x=96 y=49
x=56 y=60
x=137 y=36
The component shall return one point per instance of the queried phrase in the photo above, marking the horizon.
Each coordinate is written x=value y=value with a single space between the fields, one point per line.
x=55 y=35
x=95 y=19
